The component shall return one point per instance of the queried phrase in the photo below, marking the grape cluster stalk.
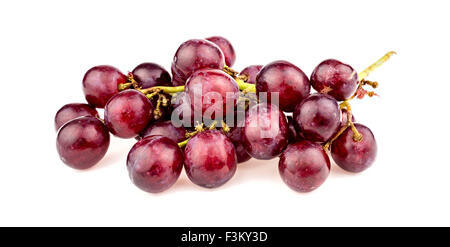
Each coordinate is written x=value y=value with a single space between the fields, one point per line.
x=205 y=118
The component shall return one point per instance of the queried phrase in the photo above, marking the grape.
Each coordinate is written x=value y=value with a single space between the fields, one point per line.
x=317 y=117
x=286 y=79
x=235 y=135
x=100 y=83
x=334 y=78
x=226 y=47
x=293 y=135
x=128 y=113
x=193 y=55
x=82 y=142
x=351 y=155
x=304 y=166
x=251 y=72
x=266 y=131
x=210 y=159
x=150 y=75
x=154 y=163
x=72 y=111
x=166 y=128
x=209 y=90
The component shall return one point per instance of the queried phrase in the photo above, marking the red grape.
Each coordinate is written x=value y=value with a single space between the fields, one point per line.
x=266 y=131
x=209 y=91
x=210 y=159
x=166 y=128
x=128 y=113
x=351 y=155
x=286 y=79
x=235 y=135
x=155 y=163
x=100 y=83
x=304 y=166
x=334 y=78
x=226 y=47
x=317 y=117
x=251 y=72
x=72 y=111
x=150 y=75
x=193 y=55
x=294 y=136
x=82 y=142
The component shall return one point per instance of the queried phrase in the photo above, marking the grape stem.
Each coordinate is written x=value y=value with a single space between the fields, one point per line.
x=245 y=87
x=357 y=137
x=362 y=75
x=241 y=80
x=198 y=128
x=165 y=89
x=375 y=65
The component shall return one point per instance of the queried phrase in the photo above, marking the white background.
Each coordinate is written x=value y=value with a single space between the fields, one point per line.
x=46 y=47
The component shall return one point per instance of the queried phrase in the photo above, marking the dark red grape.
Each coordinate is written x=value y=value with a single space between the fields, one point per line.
x=304 y=166
x=226 y=47
x=266 y=131
x=294 y=135
x=154 y=163
x=177 y=79
x=72 y=111
x=235 y=135
x=317 y=117
x=209 y=91
x=334 y=78
x=286 y=79
x=150 y=75
x=351 y=155
x=100 y=83
x=210 y=159
x=82 y=142
x=166 y=128
x=128 y=113
x=193 y=55
x=251 y=72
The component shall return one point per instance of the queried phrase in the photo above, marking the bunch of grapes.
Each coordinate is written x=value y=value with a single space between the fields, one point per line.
x=207 y=118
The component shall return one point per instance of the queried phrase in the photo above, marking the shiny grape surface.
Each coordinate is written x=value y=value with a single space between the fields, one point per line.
x=72 y=111
x=150 y=75
x=210 y=159
x=100 y=83
x=82 y=142
x=304 y=166
x=351 y=155
x=251 y=72
x=226 y=47
x=166 y=128
x=334 y=78
x=266 y=131
x=155 y=163
x=128 y=113
x=209 y=91
x=317 y=117
x=193 y=55
x=286 y=79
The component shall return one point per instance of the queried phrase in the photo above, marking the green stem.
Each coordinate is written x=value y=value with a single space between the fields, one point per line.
x=245 y=87
x=164 y=89
x=183 y=143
